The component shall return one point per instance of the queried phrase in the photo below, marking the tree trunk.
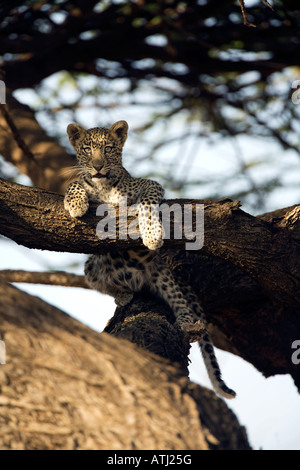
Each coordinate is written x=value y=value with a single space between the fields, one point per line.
x=65 y=386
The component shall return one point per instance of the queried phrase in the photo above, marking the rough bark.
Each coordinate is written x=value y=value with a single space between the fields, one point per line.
x=66 y=387
x=246 y=275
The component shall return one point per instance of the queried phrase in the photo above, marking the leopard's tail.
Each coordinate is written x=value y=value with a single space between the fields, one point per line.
x=213 y=368
x=182 y=299
x=207 y=348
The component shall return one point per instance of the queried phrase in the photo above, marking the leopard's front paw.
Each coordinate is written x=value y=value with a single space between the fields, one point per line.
x=76 y=207
x=152 y=235
x=152 y=243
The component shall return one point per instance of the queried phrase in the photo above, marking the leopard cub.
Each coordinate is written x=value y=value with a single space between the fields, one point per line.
x=103 y=179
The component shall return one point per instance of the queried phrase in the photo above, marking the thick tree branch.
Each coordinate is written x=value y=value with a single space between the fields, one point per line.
x=246 y=274
x=267 y=251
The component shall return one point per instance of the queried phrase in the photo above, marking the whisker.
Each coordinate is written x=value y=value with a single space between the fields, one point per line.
x=67 y=171
x=71 y=172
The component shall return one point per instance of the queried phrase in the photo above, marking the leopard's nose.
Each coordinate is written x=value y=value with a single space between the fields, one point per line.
x=98 y=166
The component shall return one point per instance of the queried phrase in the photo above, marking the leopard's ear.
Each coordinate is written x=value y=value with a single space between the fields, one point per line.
x=76 y=133
x=119 y=130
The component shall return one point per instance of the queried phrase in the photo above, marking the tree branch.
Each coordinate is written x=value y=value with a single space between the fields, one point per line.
x=246 y=275
x=25 y=144
x=269 y=252
x=119 y=40
x=54 y=278
x=15 y=133
x=244 y=13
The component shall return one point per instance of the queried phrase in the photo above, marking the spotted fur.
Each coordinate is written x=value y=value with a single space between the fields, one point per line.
x=104 y=179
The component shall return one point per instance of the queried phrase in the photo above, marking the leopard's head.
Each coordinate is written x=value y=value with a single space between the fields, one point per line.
x=99 y=150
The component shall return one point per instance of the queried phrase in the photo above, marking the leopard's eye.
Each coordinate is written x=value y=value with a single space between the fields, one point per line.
x=108 y=149
x=87 y=150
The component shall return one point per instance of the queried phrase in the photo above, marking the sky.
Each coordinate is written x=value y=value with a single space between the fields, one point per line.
x=268 y=408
